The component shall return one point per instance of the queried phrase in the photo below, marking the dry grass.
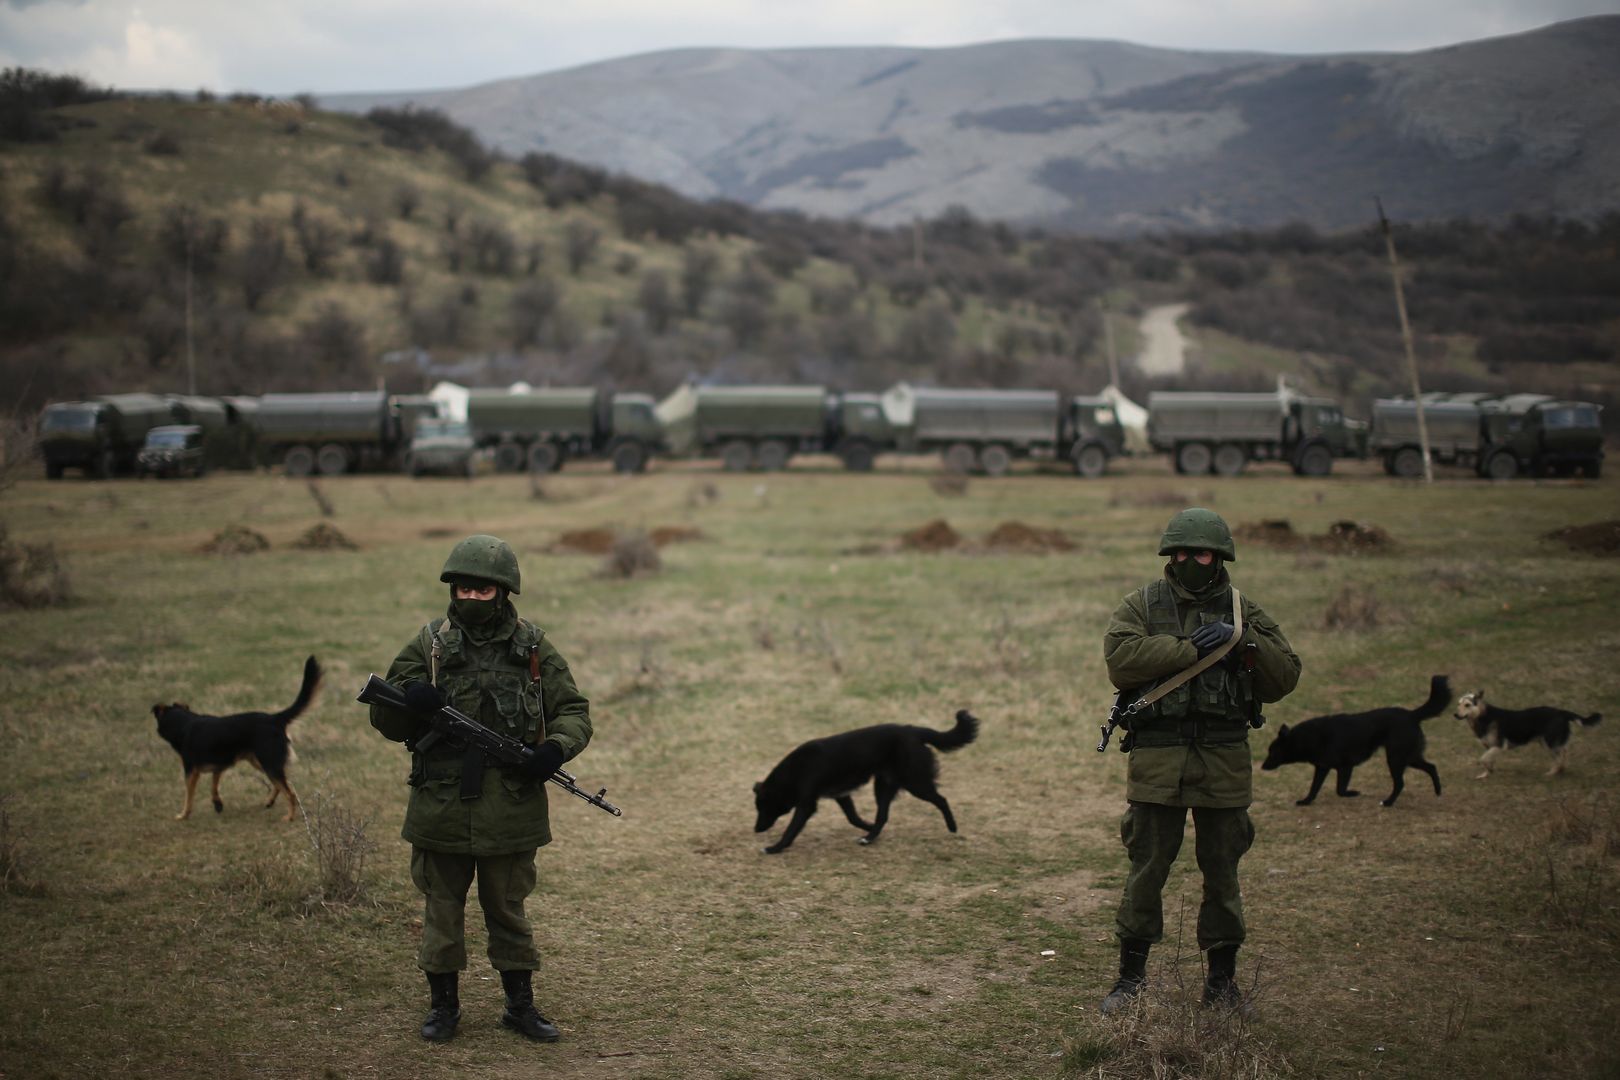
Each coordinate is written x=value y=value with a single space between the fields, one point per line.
x=32 y=575
x=634 y=554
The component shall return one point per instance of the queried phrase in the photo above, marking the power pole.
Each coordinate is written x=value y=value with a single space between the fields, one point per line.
x=191 y=360
x=1406 y=339
x=1108 y=337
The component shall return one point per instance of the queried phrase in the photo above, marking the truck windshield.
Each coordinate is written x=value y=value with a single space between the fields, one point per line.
x=433 y=429
x=1561 y=419
x=166 y=439
x=68 y=420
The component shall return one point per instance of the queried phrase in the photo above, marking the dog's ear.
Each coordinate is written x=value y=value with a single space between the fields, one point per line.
x=157 y=711
x=757 y=787
x=1479 y=696
x=1282 y=731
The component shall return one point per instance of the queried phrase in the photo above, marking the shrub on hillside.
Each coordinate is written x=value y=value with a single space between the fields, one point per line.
x=411 y=128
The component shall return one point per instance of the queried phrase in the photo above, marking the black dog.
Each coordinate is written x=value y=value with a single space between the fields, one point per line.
x=1340 y=742
x=215 y=743
x=894 y=756
x=1500 y=729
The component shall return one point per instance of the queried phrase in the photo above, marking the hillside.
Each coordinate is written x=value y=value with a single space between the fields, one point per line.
x=1101 y=137
x=330 y=251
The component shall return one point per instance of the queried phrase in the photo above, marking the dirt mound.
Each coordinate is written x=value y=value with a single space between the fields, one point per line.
x=937 y=535
x=236 y=540
x=1016 y=536
x=439 y=533
x=324 y=537
x=1276 y=532
x=584 y=542
x=675 y=534
x=1352 y=537
x=1598 y=538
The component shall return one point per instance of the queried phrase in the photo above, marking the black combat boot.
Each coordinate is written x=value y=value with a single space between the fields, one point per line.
x=1133 y=954
x=444 y=1013
x=520 y=1014
x=1221 y=988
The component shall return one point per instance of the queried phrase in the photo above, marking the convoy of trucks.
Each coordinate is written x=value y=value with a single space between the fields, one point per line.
x=764 y=427
x=1497 y=437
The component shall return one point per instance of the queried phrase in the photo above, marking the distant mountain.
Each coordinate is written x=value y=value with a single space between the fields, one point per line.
x=1101 y=137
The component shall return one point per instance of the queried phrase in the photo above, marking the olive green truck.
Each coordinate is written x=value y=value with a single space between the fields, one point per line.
x=1497 y=437
x=1222 y=433
x=541 y=429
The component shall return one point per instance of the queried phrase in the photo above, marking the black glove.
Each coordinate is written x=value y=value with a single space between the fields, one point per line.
x=1210 y=636
x=544 y=763
x=423 y=697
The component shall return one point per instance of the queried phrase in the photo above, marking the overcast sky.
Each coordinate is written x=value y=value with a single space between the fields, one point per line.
x=288 y=46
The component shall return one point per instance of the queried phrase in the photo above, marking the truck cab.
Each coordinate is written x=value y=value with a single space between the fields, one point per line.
x=441 y=446
x=173 y=450
x=1097 y=435
x=1536 y=435
x=73 y=435
x=636 y=433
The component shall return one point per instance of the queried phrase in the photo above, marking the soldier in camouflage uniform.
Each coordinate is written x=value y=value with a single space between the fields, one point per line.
x=468 y=817
x=1190 y=748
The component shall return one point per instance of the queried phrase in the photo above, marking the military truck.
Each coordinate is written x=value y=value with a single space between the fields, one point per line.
x=173 y=450
x=754 y=427
x=1498 y=437
x=1222 y=432
x=101 y=436
x=227 y=436
x=974 y=430
x=445 y=447
x=335 y=433
x=542 y=429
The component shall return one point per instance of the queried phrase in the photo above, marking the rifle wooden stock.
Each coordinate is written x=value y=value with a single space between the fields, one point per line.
x=452 y=723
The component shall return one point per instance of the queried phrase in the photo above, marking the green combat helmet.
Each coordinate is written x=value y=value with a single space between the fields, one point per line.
x=485 y=557
x=1199 y=530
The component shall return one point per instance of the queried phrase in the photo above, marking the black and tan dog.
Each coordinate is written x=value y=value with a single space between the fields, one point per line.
x=212 y=744
x=1500 y=729
x=892 y=756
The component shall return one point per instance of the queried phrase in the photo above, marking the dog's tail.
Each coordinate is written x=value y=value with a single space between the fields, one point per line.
x=306 y=694
x=1439 y=698
x=965 y=731
x=1590 y=721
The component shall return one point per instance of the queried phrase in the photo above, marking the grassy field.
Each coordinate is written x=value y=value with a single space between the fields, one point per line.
x=1468 y=935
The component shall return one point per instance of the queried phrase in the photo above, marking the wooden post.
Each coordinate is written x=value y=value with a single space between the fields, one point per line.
x=1108 y=337
x=1406 y=339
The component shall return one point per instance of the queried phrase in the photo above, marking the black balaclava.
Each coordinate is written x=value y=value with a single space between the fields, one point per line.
x=477 y=614
x=1192 y=575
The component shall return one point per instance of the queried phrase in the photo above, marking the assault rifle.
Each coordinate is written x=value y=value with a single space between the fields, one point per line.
x=1119 y=712
x=456 y=726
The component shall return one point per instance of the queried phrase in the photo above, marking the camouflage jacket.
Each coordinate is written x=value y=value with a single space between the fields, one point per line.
x=1191 y=747
x=490 y=680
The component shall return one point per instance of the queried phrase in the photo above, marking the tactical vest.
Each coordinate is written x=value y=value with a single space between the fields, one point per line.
x=1213 y=707
x=504 y=673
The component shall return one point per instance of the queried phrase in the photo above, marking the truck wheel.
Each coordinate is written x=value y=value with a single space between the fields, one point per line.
x=544 y=457
x=772 y=455
x=737 y=456
x=1090 y=461
x=1592 y=469
x=1502 y=465
x=995 y=460
x=509 y=457
x=332 y=460
x=629 y=457
x=857 y=455
x=1193 y=458
x=1315 y=460
x=960 y=458
x=1407 y=463
x=470 y=469
x=300 y=461
x=106 y=465
x=1229 y=459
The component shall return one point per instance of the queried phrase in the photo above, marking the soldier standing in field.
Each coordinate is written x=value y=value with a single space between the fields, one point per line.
x=470 y=818
x=1189 y=747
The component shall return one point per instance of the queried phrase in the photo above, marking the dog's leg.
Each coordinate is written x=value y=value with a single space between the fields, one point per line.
x=885 y=788
x=801 y=814
x=847 y=805
x=1486 y=760
x=1560 y=757
x=1341 y=786
x=192 y=775
x=1428 y=767
x=219 y=804
x=1397 y=773
x=292 y=799
x=944 y=808
x=275 y=791
x=1316 y=786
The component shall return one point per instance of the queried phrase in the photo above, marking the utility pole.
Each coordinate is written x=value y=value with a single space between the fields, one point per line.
x=916 y=242
x=191 y=359
x=1108 y=337
x=1406 y=339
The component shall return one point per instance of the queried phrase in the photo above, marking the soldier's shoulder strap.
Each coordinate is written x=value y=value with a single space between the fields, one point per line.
x=434 y=631
x=1201 y=666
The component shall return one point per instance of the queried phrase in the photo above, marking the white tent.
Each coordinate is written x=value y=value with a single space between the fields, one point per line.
x=452 y=400
x=1132 y=417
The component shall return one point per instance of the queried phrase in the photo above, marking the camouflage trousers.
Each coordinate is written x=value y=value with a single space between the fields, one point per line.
x=504 y=882
x=1152 y=836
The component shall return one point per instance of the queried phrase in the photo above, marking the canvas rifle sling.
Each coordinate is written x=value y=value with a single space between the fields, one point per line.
x=1201 y=666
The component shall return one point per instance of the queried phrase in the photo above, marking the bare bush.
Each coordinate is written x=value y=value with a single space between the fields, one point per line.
x=14 y=876
x=338 y=838
x=31 y=575
x=1356 y=607
x=951 y=484
x=633 y=555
